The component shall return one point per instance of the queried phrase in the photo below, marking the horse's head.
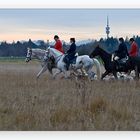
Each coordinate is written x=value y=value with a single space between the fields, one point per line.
x=46 y=56
x=53 y=56
x=95 y=52
x=29 y=55
x=49 y=52
x=49 y=56
x=51 y=59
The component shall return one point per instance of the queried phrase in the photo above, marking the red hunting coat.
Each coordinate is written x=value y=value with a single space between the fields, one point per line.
x=58 y=46
x=134 y=50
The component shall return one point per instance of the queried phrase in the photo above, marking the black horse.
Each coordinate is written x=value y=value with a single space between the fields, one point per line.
x=133 y=63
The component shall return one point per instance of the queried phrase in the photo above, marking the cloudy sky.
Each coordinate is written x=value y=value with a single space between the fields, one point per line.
x=22 y=24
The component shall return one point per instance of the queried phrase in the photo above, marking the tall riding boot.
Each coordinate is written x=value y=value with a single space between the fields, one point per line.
x=67 y=66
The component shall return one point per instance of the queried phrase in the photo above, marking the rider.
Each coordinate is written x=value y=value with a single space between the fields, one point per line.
x=70 y=53
x=122 y=52
x=58 y=45
x=134 y=49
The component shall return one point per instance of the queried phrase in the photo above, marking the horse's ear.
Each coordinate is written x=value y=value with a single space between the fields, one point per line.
x=97 y=47
x=48 y=49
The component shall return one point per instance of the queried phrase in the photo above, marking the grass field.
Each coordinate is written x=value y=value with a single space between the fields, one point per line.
x=12 y=59
x=47 y=104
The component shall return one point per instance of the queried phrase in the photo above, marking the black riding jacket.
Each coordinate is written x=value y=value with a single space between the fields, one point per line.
x=72 y=49
x=122 y=51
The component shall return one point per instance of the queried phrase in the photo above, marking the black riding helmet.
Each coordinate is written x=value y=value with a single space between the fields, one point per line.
x=72 y=39
x=131 y=39
x=121 y=39
x=56 y=37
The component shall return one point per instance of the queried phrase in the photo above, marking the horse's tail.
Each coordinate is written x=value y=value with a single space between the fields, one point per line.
x=98 y=67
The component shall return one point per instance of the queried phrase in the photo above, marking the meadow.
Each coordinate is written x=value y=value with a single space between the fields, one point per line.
x=64 y=104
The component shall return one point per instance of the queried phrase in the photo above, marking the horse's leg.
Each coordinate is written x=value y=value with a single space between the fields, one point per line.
x=75 y=72
x=41 y=71
x=115 y=75
x=65 y=73
x=104 y=74
x=56 y=73
x=83 y=72
x=43 y=64
x=89 y=71
x=136 y=73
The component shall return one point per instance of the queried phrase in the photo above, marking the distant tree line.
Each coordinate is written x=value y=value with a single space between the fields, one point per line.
x=19 y=49
x=110 y=45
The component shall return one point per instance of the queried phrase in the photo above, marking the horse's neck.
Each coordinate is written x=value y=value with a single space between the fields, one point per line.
x=57 y=56
x=38 y=55
x=105 y=57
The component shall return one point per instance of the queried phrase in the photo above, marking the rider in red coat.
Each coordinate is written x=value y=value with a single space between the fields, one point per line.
x=134 y=49
x=58 y=45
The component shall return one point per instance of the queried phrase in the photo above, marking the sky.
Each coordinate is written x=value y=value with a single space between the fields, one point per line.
x=36 y=24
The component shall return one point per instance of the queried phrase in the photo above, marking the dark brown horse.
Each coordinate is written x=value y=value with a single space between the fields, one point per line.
x=133 y=63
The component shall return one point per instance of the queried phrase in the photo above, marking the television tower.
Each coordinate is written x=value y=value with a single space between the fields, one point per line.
x=107 y=28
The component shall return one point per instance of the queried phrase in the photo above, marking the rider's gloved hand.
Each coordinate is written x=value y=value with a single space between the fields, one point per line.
x=65 y=54
x=116 y=58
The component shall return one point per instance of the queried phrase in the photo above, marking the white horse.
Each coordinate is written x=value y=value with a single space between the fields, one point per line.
x=82 y=62
x=38 y=54
x=35 y=53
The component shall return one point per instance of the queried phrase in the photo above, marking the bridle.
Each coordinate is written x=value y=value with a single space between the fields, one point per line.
x=29 y=55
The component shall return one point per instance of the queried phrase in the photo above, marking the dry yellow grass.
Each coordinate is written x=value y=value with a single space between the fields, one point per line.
x=47 y=104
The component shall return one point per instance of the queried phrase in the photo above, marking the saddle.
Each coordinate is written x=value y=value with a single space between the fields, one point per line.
x=121 y=64
x=73 y=61
x=69 y=61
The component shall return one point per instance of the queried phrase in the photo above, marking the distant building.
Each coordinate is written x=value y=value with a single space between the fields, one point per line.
x=107 y=28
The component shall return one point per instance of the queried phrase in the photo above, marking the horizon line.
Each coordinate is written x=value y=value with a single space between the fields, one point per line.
x=94 y=39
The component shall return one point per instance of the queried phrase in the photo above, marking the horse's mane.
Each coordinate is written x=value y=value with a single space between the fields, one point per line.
x=38 y=50
x=105 y=51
